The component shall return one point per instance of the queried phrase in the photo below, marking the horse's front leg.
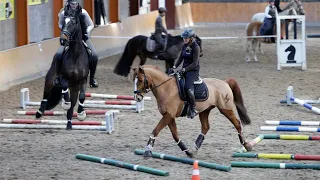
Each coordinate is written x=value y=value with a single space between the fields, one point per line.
x=66 y=104
x=204 y=119
x=81 y=113
x=165 y=120
x=74 y=92
x=173 y=128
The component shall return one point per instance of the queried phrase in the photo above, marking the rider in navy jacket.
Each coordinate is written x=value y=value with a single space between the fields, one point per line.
x=190 y=56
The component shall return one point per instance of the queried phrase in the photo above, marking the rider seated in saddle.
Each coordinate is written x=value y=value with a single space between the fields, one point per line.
x=270 y=19
x=190 y=54
x=159 y=29
x=86 y=26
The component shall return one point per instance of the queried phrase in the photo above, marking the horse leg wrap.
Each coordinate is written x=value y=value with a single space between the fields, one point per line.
x=82 y=97
x=241 y=138
x=66 y=95
x=199 y=141
x=43 y=106
x=182 y=146
x=151 y=141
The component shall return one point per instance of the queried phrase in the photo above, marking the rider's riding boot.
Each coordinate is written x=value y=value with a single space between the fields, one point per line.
x=192 y=103
x=93 y=82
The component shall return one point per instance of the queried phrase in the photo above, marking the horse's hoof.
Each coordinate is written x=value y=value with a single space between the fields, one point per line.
x=65 y=105
x=255 y=59
x=147 y=154
x=69 y=125
x=248 y=146
x=38 y=115
x=248 y=60
x=81 y=116
x=189 y=154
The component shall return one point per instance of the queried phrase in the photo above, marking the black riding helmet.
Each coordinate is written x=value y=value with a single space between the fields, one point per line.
x=162 y=9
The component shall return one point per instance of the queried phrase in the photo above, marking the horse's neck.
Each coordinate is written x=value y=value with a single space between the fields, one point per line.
x=76 y=45
x=174 y=41
x=161 y=84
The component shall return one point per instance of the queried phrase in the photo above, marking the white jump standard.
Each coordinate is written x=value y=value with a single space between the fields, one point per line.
x=296 y=47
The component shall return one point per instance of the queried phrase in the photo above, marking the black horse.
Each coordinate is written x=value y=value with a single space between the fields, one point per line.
x=136 y=46
x=74 y=73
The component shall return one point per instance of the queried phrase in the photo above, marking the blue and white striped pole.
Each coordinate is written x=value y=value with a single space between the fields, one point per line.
x=289 y=128
x=302 y=103
x=292 y=122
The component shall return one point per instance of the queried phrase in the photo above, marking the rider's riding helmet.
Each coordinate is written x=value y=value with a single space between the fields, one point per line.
x=162 y=9
x=188 y=33
x=271 y=0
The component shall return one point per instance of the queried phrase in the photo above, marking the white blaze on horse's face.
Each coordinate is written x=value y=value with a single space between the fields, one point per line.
x=67 y=20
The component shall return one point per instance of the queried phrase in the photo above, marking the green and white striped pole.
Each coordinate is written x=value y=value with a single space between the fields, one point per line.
x=122 y=164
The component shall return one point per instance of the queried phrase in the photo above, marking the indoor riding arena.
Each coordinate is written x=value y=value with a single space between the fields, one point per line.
x=284 y=131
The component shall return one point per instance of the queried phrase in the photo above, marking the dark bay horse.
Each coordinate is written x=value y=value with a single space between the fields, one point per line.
x=136 y=46
x=75 y=70
x=225 y=95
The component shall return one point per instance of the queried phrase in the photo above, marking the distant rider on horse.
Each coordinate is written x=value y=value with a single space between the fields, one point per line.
x=270 y=19
x=72 y=8
x=190 y=54
x=159 y=29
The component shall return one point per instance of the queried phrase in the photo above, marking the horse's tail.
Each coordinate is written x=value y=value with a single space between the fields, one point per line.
x=238 y=100
x=126 y=60
x=54 y=98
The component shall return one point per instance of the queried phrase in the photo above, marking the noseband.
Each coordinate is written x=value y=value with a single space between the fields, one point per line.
x=146 y=87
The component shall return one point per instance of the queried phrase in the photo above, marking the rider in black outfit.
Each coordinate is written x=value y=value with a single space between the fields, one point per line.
x=86 y=26
x=190 y=56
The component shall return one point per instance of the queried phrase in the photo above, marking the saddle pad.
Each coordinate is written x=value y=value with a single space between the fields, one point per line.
x=200 y=90
x=151 y=45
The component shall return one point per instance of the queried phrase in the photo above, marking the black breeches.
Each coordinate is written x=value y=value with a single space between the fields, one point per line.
x=191 y=76
x=158 y=39
x=93 y=60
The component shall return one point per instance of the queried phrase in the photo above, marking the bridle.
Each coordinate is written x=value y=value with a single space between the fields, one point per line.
x=146 y=86
x=69 y=36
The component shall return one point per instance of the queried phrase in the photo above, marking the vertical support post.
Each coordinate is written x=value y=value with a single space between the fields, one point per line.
x=278 y=41
x=171 y=14
x=89 y=6
x=22 y=25
x=134 y=7
x=287 y=28
x=303 y=34
x=295 y=28
x=113 y=11
x=289 y=95
x=57 y=5
x=154 y=5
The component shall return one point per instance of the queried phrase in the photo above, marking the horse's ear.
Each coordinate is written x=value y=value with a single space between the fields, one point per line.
x=157 y=67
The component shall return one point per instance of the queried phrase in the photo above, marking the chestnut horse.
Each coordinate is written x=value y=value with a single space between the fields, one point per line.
x=225 y=95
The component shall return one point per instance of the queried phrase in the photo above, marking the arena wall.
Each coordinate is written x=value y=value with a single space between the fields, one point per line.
x=32 y=61
x=203 y=12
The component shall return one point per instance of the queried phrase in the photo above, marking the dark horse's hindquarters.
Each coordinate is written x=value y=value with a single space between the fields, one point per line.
x=136 y=46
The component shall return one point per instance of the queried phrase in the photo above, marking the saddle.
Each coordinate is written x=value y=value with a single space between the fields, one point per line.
x=152 y=45
x=201 y=92
x=66 y=48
